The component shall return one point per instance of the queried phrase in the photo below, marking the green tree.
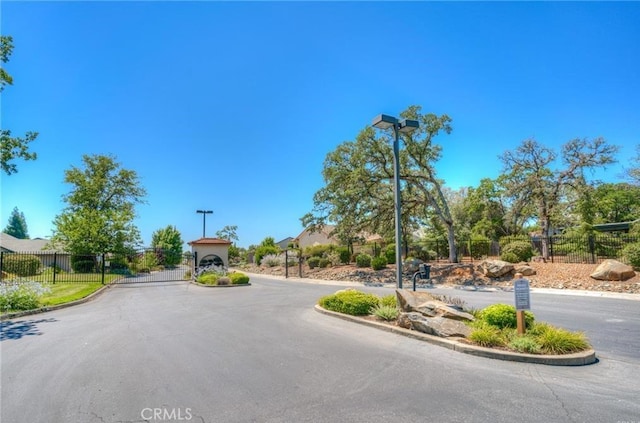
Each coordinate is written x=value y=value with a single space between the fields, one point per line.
x=11 y=148
x=100 y=208
x=169 y=241
x=17 y=226
x=633 y=173
x=228 y=232
x=610 y=203
x=531 y=173
x=358 y=192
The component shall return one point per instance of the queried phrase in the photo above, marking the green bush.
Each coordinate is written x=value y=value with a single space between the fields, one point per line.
x=486 y=335
x=389 y=300
x=83 y=263
x=345 y=255
x=16 y=296
x=324 y=263
x=386 y=312
x=363 y=260
x=504 y=316
x=318 y=250
x=560 y=341
x=390 y=253
x=525 y=344
x=313 y=262
x=379 y=263
x=631 y=255
x=238 y=278
x=350 y=301
x=21 y=264
x=517 y=251
x=208 y=278
x=263 y=250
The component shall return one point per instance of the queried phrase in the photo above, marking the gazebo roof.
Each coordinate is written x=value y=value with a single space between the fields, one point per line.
x=210 y=241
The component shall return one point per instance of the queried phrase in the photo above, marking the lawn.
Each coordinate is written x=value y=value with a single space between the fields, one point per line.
x=81 y=278
x=66 y=292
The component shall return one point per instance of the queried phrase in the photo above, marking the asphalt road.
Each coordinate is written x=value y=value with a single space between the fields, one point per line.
x=177 y=352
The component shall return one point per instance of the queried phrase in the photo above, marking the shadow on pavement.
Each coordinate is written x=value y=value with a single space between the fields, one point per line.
x=16 y=330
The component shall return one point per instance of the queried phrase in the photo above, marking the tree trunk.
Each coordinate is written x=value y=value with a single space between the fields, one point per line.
x=544 y=228
x=451 y=239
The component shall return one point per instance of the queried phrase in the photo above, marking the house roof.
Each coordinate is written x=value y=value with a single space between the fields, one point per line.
x=617 y=226
x=326 y=230
x=14 y=245
x=210 y=241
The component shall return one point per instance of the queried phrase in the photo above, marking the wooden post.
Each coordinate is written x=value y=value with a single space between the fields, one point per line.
x=520 y=322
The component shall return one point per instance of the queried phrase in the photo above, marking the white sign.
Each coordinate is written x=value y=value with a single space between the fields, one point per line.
x=523 y=298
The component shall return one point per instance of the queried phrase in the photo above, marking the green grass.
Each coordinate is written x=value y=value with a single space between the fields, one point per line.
x=66 y=292
x=78 y=278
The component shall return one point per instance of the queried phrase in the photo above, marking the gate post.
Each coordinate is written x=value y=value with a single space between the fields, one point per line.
x=286 y=263
x=55 y=266
x=1 y=263
x=592 y=249
x=102 y=268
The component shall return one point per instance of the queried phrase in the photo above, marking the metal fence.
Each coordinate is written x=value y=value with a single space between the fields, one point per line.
x=56 y=267
x=589 y=249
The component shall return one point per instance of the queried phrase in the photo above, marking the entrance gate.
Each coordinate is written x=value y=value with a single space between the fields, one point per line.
x=151 y=265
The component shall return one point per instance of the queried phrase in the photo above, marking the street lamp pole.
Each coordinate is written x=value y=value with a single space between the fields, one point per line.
x=204 y=215
x=405 y=126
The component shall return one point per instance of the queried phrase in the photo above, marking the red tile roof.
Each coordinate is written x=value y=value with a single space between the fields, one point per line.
x=210 y=241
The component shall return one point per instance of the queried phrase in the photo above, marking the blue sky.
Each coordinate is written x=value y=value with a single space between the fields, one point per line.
x=255 y=94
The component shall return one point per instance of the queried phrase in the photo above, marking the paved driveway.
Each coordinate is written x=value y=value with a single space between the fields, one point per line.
x=178 y=352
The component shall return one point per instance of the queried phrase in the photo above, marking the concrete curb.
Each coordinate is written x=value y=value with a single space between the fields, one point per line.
x=88 y=298
x=220 y=286
x=576 y=359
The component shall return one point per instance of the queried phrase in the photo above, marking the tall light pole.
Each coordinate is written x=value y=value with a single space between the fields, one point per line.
x=405 y=126
x=204 y=215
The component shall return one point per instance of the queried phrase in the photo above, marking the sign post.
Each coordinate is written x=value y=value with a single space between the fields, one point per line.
x=523 y=300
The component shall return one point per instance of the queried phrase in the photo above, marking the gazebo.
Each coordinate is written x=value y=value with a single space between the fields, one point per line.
x=210 y=251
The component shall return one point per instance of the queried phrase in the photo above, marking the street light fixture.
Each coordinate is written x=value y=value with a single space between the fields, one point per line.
x=204 y=215
x=404 y=126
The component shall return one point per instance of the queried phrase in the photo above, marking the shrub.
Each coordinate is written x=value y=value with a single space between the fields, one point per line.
x=517 y=251
x=318 y=250
x=324 y=262
x=487 y=335
x=386 y=312
x=21 y=264
x=263 y=250
x=379 y=263
x=504 y=316
x=223 y=280
x=363 y=260
x=313 y=262
x=349 y=301
x=631 y=255
x=83 y=263
x=389 y=300
x=560 y=341
x=333 y=257
x=390 y=253
x=208 y=278
x=272 y=260
x=345 y=255
x=525 y=344
x=238 y=278
x=16 y=296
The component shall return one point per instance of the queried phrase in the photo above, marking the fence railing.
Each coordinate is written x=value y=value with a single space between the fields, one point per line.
x=56 y=267
x=589 y=249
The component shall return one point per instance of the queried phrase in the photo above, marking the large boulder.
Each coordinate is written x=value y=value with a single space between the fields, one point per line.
x=525 y=270
x=412 y=266
x=613 y=270
x=495 y=268
x=428 y=306
x=438 y=326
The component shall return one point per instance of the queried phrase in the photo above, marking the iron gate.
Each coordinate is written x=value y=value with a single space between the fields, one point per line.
x=151 y=265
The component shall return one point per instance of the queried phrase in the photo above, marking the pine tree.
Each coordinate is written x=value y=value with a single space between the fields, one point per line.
x=17 y=226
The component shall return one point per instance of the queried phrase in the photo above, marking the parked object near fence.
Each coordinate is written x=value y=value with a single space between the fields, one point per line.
x=613 y=270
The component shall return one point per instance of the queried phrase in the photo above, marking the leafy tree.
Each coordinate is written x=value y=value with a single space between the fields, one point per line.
x=100 y=208
x=609 y=203
x=633 y=173
x=228 y=232
x=169 y=241
x=267 y=246
x=358 y=195
x=11 y=148
x=17 y=226
x=531 y=174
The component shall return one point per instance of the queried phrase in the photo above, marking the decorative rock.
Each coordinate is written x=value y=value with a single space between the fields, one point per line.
x=438 y=326
x=424 y=304
x=613 y=270
x=525 y=270
x=495 y=268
